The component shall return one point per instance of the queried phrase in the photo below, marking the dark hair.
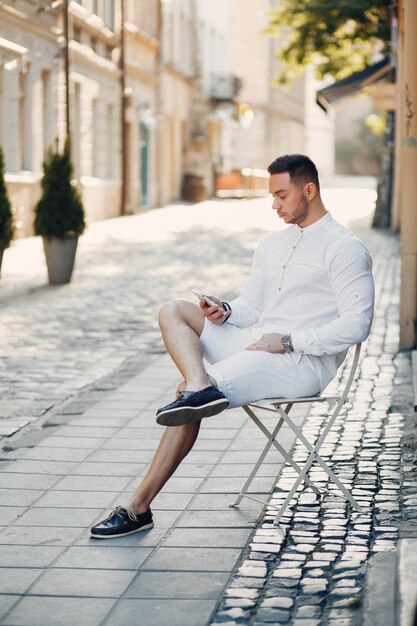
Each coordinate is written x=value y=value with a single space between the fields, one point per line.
x=300 y=168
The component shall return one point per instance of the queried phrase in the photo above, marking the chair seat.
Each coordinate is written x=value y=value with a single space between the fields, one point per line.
x=267 y=401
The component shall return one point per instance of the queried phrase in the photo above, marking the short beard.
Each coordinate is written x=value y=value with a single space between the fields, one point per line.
x=300 y=213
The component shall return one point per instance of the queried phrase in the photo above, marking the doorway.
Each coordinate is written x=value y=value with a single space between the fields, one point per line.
x=144 y=141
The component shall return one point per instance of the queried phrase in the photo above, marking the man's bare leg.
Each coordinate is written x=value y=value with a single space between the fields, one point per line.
x=174 y=446
x=181 y=324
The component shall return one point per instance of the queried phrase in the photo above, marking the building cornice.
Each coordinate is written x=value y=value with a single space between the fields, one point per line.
x=83 y=54
x=10 y=16
x=136 y=71
x=93 y=24
x=176 y=73
x=13 y=48
x=142 y=37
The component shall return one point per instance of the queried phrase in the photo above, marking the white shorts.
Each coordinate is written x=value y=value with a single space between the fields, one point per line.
x=245 y=376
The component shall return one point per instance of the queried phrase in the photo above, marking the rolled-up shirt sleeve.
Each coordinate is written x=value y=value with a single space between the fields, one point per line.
x=350 y=274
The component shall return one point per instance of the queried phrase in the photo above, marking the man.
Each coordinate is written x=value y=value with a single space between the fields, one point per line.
x=309 y=297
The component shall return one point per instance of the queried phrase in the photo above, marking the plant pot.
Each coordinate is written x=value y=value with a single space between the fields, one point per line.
x=60 y=257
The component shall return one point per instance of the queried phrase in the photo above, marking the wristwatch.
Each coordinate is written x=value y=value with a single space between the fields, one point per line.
x=287 y=343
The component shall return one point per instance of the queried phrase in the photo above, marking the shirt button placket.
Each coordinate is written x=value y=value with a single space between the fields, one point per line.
x=293 y=247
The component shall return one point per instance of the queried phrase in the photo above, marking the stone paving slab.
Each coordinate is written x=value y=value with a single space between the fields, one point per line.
x=408 y=586
x=380 y=601
x=178 y=585
x=49 y=611
x=163 y=612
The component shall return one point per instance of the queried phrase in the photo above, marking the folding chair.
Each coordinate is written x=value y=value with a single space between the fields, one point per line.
x=275 y=405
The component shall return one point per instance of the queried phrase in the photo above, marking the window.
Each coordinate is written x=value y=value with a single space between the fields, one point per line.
x=150 y=14
x=95 y=139
x=47 y=130
x=108 y=16
x=77 y=34
x=98 y=8
x=108 y=52
x=76 y=130
x=23 y=154
x=110 y=142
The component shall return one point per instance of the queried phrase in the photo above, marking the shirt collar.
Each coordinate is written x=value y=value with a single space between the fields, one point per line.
x=321 y=222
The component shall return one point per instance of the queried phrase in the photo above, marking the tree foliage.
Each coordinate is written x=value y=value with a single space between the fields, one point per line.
x=59 y=213
x=6 y=216
x=339 y=36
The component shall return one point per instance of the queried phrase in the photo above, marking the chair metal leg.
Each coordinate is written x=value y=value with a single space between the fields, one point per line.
x=294 y=488
x=271 y=438
x=314 y=451
x=271 y=441
x=288 y=458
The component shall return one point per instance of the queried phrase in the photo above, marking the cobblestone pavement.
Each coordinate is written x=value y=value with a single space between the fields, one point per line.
x=68 y=351
x=58 y=341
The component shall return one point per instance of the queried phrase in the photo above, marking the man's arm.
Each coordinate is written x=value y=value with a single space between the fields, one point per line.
x=247 y=307
x=350 y=273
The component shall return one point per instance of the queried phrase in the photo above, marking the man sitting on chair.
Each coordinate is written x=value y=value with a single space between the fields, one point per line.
x=309 y=297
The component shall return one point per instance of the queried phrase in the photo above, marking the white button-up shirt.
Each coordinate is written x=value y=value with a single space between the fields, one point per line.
x=314 y=283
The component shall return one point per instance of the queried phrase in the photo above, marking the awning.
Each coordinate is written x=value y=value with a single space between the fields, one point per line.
x=354 y=83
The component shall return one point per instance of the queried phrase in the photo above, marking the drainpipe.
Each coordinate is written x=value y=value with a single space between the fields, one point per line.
x=159 y=106
x=123 y=107
x=408 y=121
x=66 y=73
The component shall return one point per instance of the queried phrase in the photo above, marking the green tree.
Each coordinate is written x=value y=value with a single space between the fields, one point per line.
x=59 y=213
x=339 y=36
x=6 y=216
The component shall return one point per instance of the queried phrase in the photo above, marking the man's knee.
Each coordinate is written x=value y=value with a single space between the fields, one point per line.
x=179 y=309
x=167 y=311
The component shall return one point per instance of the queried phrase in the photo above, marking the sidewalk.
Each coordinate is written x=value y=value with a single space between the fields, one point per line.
x=56 y=490
x=83 y=370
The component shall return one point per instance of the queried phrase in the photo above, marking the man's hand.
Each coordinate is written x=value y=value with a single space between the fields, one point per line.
x=215 y=314
x=270 y=342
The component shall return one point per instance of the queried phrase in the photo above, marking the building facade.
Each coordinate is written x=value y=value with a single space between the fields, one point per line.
x=195 y=49
x=286 y=118
x=137 y=97
x=33 y=100
x=29 y=82
x=160 y=93
x=94 y=105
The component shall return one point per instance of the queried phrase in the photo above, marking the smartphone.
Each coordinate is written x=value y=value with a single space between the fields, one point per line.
x=201 y=296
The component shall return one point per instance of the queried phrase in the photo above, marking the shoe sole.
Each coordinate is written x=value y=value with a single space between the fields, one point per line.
x=131 y=532
x=187 y=415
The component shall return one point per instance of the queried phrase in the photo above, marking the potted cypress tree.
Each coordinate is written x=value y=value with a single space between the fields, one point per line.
x=59 y=215
x=6 y=216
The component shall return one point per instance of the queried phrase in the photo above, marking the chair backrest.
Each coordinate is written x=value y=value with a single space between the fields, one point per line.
x=352 y=373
